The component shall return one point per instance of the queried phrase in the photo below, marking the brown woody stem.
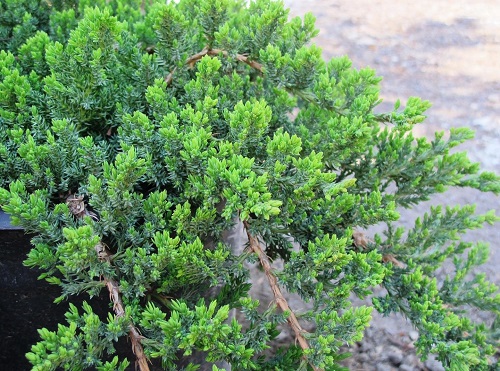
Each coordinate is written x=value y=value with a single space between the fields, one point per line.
x=114 y=295
x=196 y=57
x=278 y=296
x=78 y=208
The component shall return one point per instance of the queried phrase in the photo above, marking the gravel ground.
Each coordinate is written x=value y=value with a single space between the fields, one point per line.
x=447 y=52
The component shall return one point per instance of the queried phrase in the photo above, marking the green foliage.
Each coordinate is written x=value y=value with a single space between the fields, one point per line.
x=135 y=135
x=81 y=344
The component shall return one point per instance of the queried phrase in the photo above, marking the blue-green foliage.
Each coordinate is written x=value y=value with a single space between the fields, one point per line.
x=174 y=122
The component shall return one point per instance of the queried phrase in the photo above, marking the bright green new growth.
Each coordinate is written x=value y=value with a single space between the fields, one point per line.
x=135 y=134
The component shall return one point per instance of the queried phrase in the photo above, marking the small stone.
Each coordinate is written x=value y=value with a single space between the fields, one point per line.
x=413 y=335
x=379 y=349
x=384 y=367
x=482 y=122
x=366 y=40
x=370 y=332
x=395 y=355
x=363 y=357
x=405 y=367
x=365 y=346
x=434 y=365
x=411 y=360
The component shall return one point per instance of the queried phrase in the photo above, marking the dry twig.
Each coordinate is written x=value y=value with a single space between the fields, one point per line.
x=196 y=57
x=115 y=297
x=362 y=241
x=77 y=207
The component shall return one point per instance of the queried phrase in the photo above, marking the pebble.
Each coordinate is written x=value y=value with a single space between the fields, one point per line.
x=384 y=367
x=405 y=367
x=434 y=365
x=367 y=41
x=411 y=360
x=413 y=335
x=375 y=353
x=482 y=122
x=365 y=346
x=363 y=358
x=395 y=355
x=371 y=332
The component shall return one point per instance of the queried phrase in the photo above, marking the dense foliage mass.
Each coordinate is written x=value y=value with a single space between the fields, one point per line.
x=136 y=134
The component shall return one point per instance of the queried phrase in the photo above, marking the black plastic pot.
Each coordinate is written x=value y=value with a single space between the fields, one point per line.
x=23 y=301
x=27 y=304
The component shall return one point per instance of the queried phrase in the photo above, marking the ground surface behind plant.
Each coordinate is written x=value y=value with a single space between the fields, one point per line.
x=447 y=52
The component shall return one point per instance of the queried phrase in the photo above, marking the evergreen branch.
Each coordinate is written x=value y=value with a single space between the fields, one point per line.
x=278 y=296
x=214 y=52
x=78 y=208
x=114 y=295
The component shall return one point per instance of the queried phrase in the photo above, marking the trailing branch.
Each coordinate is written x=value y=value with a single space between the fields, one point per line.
x=114 y=295
x=278 y=296
x=206 y=51
x=77 y=207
